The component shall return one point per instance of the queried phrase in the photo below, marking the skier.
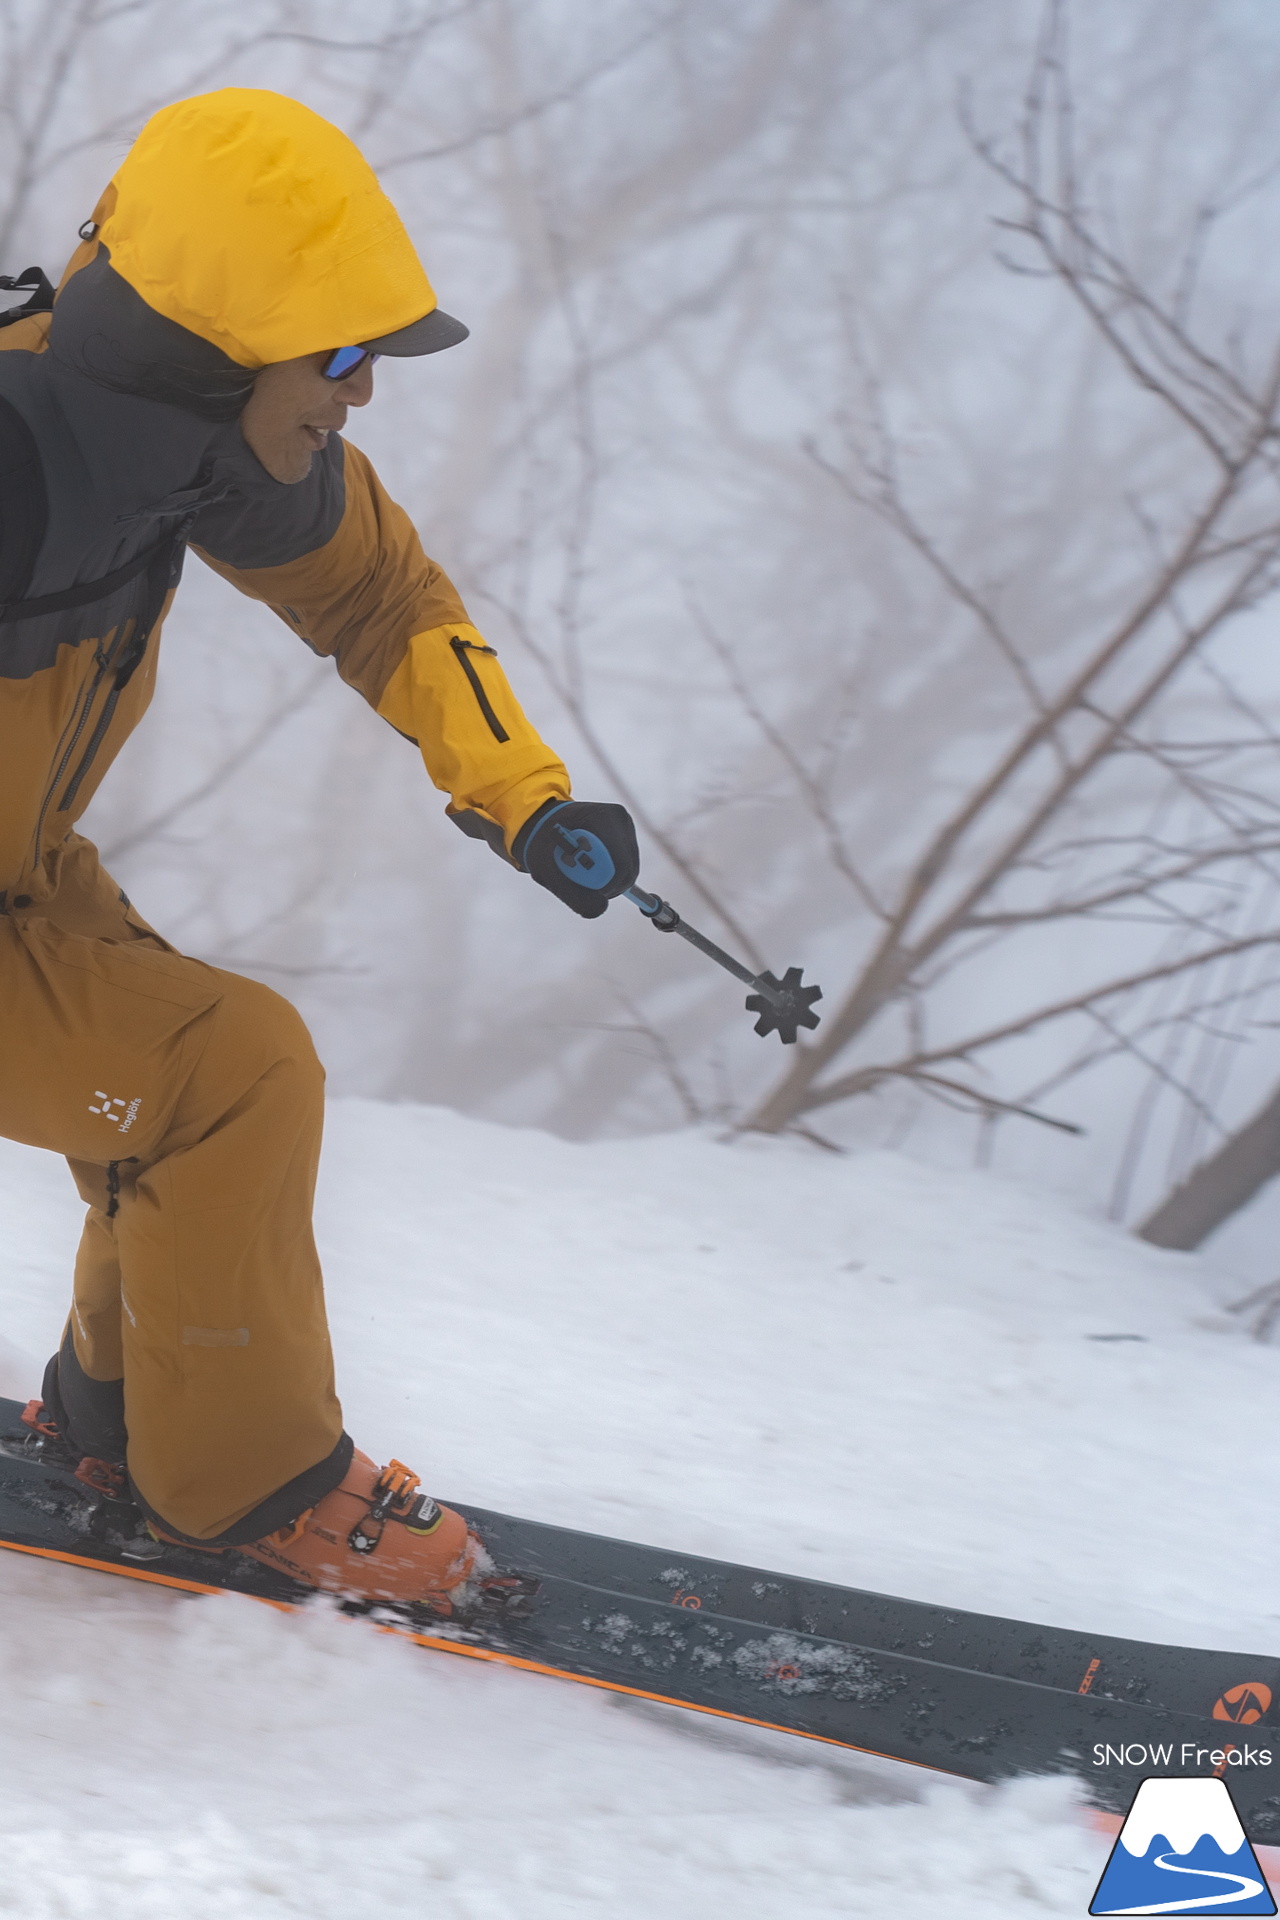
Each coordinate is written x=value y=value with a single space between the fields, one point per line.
x=239 y=278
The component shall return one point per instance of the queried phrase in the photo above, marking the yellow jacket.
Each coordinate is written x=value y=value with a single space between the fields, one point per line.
x=240 y=229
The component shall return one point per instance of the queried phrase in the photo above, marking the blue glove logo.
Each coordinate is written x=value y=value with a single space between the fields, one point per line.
x=583 y=852
x=583 y=858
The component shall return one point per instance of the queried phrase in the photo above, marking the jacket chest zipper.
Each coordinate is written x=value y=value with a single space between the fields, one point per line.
x=461 y=649
x=130 y=657
x=95 y=741
x=86 y=708
x=126 y=657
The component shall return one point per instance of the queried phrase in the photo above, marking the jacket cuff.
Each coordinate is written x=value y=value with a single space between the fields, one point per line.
x=525 y=833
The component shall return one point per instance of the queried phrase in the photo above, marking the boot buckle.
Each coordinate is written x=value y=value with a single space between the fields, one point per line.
x=365 y=1534
x=104 y=1477
x=31 y=1417
x=393 y=1488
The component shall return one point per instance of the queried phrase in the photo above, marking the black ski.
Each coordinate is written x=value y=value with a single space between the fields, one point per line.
x=960 y=1693
x=1180 y=1679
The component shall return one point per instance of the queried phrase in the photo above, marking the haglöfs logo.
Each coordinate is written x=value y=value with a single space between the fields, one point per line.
x=121 y=1113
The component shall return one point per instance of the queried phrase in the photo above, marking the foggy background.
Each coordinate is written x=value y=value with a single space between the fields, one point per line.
x=792 y=478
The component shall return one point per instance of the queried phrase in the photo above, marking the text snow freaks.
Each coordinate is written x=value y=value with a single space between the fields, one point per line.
x=1162 y=1754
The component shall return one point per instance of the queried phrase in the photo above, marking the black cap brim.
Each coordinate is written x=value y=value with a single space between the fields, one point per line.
x=431 y=334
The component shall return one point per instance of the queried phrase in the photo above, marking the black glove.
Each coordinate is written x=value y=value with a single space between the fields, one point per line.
x=583 y=851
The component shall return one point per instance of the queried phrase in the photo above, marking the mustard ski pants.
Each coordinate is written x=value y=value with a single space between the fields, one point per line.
x=189 y=1104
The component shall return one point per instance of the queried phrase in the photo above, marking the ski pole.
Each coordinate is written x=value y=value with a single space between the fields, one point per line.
x=783 y=1005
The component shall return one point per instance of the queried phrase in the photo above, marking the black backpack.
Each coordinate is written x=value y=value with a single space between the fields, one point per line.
x=24 y=514
x=23 y=506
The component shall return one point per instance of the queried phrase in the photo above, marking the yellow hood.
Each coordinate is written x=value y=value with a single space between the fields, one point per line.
x=249 y=220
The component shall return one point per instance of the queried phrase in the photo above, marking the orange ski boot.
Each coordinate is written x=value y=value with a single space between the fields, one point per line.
x=374 y=1537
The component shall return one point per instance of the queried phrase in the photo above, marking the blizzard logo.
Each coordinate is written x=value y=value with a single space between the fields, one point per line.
x=1182 y=1850
x=123 y=1113
x=1244 y=1704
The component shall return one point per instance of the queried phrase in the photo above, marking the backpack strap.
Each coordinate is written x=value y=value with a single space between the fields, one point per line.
x=89 y=590
x=41 y=300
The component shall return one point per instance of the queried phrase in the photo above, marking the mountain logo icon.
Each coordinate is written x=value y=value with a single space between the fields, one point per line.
x=1182 y=1850
x=1244 y=1704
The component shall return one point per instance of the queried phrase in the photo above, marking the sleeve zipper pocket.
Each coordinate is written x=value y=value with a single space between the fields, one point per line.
x=461 y=649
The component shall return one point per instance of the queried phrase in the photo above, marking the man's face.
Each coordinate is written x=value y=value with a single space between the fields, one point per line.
x=293 y=409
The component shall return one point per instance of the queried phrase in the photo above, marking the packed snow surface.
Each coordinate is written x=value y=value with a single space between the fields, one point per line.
x=856 y=1368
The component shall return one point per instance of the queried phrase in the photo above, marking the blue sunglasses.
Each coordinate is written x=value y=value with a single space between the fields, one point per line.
x=344 y=362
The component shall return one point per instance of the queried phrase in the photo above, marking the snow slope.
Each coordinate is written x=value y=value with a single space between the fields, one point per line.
x=856 y=1368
